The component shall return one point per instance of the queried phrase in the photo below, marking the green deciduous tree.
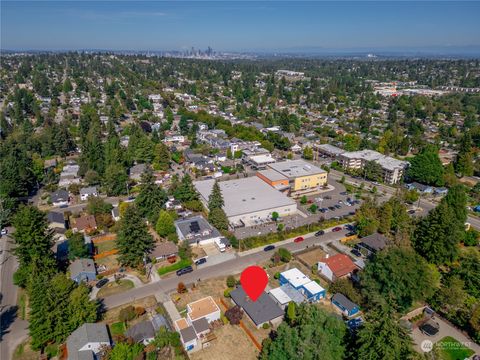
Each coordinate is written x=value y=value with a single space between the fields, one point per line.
x=77 y=248
x=426 y=167
x=125 y=351
x=134 y=242
x=399 y=275
x=315 y=334
x=165 y=224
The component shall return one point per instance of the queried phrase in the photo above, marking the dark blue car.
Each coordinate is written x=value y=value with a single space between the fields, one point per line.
x=184 y=271
x=269 y=247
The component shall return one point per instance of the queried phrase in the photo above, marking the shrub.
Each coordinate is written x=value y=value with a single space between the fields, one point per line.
x=224 y=319
x=266 y=326
x=230 y=281
x=277 y=275
x=285 y=255
x=227 y=292
x=181 y=288
x=234 y=315
x=139 y=311
x=127 y=314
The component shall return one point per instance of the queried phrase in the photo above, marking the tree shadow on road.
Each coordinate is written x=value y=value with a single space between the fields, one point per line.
x=7 y=318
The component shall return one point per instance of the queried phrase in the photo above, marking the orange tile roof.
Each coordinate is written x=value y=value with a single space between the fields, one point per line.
x=340 y=264
x=181 y=323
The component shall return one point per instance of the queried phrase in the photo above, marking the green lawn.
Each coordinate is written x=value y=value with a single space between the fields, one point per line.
x=106 y=246
x=114 y=287
x=117 y=328
x=174 y=267
x=451 y=349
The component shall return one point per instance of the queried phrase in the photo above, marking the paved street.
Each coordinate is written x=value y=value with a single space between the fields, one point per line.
x=233 y=266
x=13 y=329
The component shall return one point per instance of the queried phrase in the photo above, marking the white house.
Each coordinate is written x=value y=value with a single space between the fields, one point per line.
x=86 y=192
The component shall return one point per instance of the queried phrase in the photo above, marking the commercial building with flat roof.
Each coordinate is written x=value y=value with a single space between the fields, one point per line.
x=303 y=177
x=248 y=201
x=328 y=150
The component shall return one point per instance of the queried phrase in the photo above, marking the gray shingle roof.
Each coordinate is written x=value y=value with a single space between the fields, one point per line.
x=59 y=195
x=344 y=301
x=81 y=266
x=85 y=334
x=200 y=325
x=375 y=241
x=263 y=310
x=188 y=334
x=141 y=331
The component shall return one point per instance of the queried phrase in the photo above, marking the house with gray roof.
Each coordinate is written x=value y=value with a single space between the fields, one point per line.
x=196 y=230
x=263 y=310
x=82 y=270
x=88 y=342
x=372 y=243
x=143 y=332
x=59 y=198
x=136 y=171
x=86 y=192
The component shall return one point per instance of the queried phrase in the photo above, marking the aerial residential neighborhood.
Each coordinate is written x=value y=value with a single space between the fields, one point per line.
x=138 y=185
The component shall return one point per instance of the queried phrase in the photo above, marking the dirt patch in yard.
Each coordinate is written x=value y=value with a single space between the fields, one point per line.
x=114 y=287
x=212 y=287
x=232 y=344
x=312 y=257
x=111 y=316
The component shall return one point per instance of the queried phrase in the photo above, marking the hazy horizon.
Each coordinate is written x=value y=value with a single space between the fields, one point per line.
x=423 y=26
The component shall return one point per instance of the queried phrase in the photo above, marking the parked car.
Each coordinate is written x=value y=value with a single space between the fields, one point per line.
x=411 y=212
x=331 y=208
x=320 y=233
x=344 y=193
x=430 y=328
x=299 y=239
x=356 y=252
x=351 y=213
x=350 y=233
x=336 y=229
x=322 y=210
x=328 y=197
x=101 y=283
x=338 y=206
x=201 y=261
x=269 y=247
x=185 y=270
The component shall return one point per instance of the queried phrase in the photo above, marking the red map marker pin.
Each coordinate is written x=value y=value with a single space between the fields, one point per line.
x=254 y=280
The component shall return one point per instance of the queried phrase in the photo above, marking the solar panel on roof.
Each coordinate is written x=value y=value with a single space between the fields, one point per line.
x=194 y=227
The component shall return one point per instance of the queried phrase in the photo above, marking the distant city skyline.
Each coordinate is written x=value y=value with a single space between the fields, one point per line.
x=314 y=26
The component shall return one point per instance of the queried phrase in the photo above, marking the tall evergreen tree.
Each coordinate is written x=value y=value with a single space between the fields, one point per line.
x=34 y=241
x=185 y=191
x=382 y=337
x=215 y=200
x=151 y=198
x=134 y=241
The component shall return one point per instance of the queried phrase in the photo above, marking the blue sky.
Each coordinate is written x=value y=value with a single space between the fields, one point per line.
x=234 y=25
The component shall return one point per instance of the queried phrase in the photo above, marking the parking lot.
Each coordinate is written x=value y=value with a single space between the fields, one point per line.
x=329 y=200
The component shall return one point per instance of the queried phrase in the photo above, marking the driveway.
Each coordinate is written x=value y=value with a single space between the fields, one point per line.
x=445 y=330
